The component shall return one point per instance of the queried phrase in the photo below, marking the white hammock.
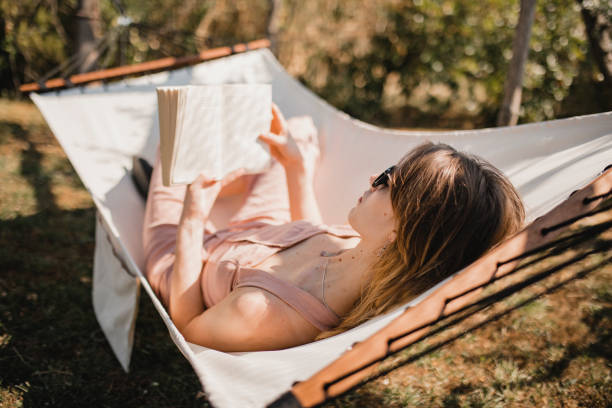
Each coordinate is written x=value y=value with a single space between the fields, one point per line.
x=101 y=128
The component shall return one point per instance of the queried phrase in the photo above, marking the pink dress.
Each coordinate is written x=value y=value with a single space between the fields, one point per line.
x=260 y=229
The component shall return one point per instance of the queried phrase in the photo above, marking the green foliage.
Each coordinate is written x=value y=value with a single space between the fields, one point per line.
x=162 y=28
x=437 y=63
x=32 y=40
x=414 y=63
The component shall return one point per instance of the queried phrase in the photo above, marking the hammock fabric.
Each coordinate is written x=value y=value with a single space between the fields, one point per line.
x=100 y=128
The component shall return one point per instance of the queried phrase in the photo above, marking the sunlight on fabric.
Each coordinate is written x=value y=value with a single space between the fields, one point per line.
x=101 y=128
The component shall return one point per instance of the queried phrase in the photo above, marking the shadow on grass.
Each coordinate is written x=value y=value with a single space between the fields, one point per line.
x=597 y=346
x=551 y=371
x=31 y=169
x=9 y=130
x=51 y=347
x=52 y=351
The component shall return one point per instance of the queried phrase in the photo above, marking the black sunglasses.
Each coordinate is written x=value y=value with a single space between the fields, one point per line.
x=383 y=178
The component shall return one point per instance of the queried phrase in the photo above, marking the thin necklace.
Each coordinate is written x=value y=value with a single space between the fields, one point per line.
x=326 y=255
x=323 y=282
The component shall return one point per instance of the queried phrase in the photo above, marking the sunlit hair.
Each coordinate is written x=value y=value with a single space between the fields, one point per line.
x=450 y=208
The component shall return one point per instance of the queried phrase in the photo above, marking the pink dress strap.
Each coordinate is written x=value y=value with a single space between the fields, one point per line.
x=307 y=305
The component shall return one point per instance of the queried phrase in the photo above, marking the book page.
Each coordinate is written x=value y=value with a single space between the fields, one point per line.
x=217 y=130
x=247 y=111
x=197 y=145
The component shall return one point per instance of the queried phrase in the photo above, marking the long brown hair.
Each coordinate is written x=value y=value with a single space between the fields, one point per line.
x=450 y=207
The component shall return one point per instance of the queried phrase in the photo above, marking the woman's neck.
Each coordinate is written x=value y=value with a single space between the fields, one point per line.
x=353 y=263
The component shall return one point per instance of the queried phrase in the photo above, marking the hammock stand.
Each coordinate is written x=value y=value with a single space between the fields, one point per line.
x=446 y=301
x=142 y=68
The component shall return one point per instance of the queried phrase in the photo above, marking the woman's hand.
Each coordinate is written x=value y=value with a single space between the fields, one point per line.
x=282 y=145
x=299 y=156
x=200 y=195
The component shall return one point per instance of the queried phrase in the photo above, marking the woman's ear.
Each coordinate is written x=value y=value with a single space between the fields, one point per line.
x=392 y=235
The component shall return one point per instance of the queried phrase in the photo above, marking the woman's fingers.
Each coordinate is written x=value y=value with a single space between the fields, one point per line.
x=273 y=139
x=235 y=174
x=203 y=181
x=278 y=124
x=200 y=197
x=276 y=113
x=231 y=177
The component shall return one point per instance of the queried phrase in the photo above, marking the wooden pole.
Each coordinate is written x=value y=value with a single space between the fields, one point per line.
x=599 y=32
x=274 y=24
x=509 y=111
x=144 y=67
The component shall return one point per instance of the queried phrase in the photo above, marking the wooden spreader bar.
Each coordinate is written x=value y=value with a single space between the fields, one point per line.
x=144 y=67
x=344 y=373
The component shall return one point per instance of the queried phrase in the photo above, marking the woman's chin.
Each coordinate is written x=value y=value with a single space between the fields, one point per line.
x=351 y=217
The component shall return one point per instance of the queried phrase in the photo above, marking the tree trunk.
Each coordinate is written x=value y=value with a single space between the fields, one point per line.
x=274 y=24
x=509 y=111
x=8 y=79
x=87 y=23
x=599 y=32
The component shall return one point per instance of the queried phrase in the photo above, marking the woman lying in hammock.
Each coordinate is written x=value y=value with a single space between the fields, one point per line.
x=277 y=277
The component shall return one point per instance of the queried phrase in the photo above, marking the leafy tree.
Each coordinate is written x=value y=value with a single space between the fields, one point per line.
x=597 y=17
x=408 y=63
x=437 y=63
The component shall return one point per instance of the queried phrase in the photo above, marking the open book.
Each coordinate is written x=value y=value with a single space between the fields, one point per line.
x=212 y=129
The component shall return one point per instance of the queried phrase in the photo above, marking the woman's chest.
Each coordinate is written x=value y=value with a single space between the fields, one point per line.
x=302 y=263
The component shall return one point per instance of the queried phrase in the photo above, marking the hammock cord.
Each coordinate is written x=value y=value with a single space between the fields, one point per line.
x=557 y=246
x=155 y=30
x=569 y=221
x=116 y=254
x=66 y=68
x=112 y=36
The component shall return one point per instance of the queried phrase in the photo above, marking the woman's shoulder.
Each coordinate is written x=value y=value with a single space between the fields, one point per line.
x=340 y=230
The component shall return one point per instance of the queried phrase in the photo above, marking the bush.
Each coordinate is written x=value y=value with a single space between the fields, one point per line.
x=419 y=63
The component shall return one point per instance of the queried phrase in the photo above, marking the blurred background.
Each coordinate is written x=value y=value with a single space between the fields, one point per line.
x=410 y=63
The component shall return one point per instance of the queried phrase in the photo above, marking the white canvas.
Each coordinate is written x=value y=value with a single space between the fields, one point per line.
x=101 y=128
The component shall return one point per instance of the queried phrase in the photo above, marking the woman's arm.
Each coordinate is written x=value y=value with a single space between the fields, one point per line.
x=186 y=300
x=249 y=319
x=299 y=164
x=302 y=202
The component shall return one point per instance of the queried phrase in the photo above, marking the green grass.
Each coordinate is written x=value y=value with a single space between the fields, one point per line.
x=555 y=352
x=52 y=351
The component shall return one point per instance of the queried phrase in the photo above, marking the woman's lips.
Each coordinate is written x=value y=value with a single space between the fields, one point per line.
x=363 y=196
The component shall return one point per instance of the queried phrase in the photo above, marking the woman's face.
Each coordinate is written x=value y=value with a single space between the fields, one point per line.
x=372 y=216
